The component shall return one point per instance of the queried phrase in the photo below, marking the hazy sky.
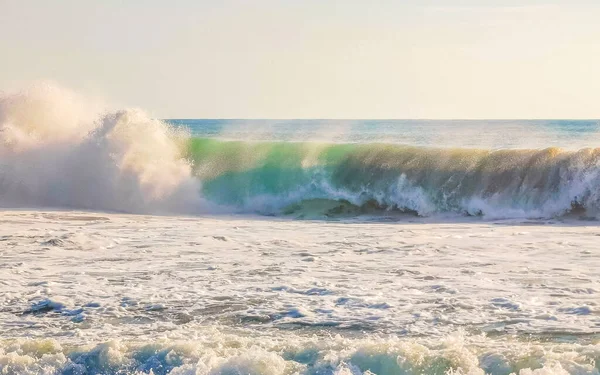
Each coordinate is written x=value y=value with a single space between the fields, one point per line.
x=313 y=58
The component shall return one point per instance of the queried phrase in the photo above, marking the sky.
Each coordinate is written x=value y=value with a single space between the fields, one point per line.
x=312 y=58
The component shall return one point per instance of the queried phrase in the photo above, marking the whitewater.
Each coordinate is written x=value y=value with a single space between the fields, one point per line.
x=134 y=245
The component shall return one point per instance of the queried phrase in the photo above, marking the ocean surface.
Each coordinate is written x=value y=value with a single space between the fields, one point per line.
x=133 y=245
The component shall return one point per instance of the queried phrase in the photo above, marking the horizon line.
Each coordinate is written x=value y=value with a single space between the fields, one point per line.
x=375 y=119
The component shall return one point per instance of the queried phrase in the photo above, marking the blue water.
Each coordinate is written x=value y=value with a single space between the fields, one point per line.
x=494 y=134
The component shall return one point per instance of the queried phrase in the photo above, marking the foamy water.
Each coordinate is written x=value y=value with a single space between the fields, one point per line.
x=134 y=245
x=108 y=293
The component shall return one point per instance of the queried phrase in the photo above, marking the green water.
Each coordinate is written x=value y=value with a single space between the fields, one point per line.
x=274 y=177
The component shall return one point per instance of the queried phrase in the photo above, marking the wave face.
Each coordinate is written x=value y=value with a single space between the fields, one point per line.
x=351 y=179
x=58 y=150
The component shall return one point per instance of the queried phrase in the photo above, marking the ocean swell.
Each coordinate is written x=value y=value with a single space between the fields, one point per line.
x=353 y=179
x=57 y=150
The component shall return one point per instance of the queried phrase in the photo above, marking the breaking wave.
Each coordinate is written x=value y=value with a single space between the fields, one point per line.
x=230 y=354
x=57 y=152
x=353 y=179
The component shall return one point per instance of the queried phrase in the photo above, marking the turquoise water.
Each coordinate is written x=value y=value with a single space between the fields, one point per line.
x=325 y=168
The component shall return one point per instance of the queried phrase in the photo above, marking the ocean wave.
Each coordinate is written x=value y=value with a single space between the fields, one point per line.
x=57 y=152
x=354 y=179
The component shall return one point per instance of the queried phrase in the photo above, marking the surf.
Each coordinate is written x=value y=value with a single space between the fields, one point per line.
x=354 y=179
x=58 y=149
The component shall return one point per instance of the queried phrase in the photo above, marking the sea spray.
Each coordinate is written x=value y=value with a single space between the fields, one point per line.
x=54 y=152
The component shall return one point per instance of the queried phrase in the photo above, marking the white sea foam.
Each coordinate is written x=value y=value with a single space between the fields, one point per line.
x=103 y=293
x=222 y=353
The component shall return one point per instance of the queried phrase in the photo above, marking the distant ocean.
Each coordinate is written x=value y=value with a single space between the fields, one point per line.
x=132 y=245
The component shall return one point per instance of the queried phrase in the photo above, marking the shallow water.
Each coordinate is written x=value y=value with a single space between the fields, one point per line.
x=112 y=293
